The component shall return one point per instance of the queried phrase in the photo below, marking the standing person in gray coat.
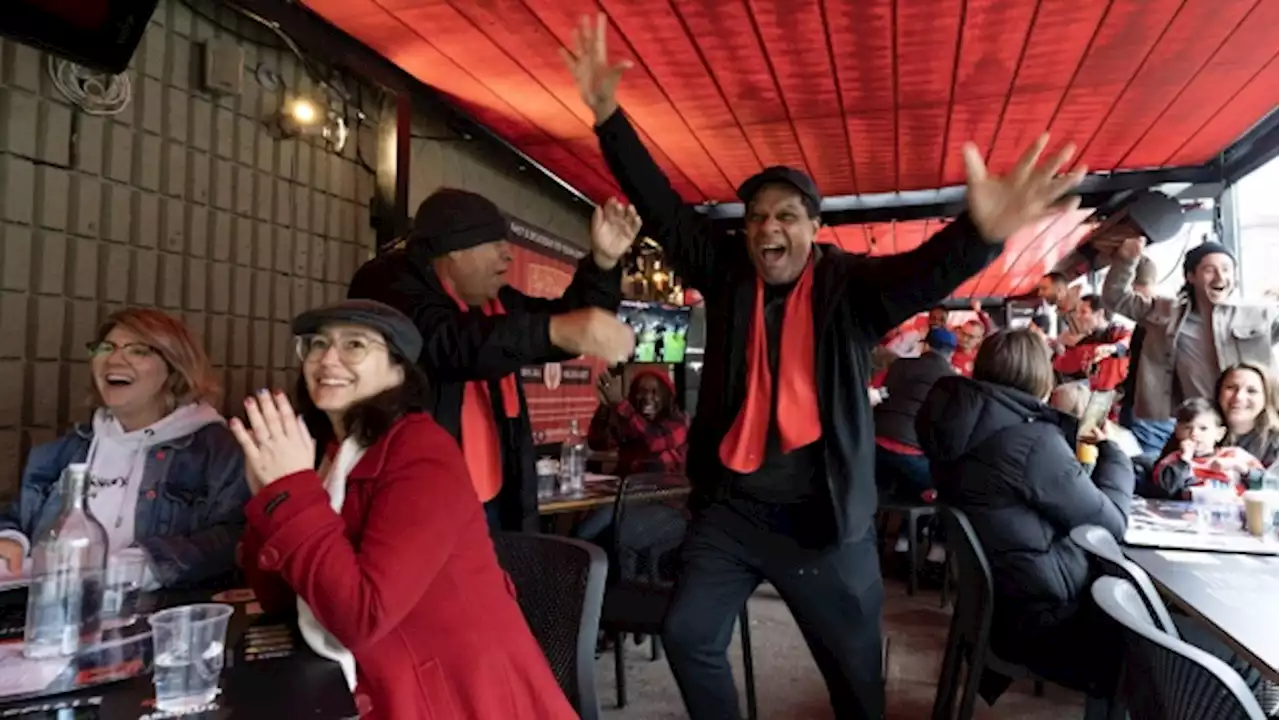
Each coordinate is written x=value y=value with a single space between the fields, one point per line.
x=1191 y=338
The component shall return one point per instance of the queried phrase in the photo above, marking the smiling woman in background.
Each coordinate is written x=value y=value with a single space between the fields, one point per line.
x=385 y=546
x=166 y=478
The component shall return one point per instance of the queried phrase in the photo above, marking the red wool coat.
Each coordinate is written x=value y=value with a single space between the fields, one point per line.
x=406 y=578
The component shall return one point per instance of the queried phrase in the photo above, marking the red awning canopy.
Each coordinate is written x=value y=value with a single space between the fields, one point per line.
x=869 y=96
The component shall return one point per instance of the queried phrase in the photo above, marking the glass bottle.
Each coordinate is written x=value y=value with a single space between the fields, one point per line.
x=68 y=566
x=573 y=460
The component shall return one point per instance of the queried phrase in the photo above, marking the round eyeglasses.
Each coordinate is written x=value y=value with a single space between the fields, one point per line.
x=132 y=351
x=351 y=350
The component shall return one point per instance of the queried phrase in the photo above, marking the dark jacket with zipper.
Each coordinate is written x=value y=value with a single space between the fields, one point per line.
x=459 y=347
x=908 y=383
x=1006 y=459
x=856 y=300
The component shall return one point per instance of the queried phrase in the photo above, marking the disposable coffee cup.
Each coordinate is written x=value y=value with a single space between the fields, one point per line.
x=1260 y=508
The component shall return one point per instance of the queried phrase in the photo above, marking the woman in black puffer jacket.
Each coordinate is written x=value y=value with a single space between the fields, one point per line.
x=1007 y=459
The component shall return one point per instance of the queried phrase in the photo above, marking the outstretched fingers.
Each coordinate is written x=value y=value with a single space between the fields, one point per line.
x=1027 y=163
x=974 y=167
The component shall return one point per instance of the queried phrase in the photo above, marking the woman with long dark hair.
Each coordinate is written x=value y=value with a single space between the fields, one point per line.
x=1246 y=395
x=363 y=511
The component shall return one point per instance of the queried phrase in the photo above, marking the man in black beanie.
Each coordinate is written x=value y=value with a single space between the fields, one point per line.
x=450 y=279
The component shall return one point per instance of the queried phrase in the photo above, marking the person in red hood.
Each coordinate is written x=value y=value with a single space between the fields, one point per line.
x=646 y=428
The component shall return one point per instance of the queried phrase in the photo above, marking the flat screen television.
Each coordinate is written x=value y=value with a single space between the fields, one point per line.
x=98 y=34
x=662 y=331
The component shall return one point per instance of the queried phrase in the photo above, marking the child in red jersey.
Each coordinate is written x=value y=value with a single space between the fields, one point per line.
x=1195 y=456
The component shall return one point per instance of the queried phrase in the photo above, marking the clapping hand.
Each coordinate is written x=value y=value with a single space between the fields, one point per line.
x=1002 y=205
x=613 y=230
x=610 y=388
x=276 y=442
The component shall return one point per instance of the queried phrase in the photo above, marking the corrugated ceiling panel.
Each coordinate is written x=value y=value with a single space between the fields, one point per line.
x=1028 y=253
x=807 y=83
x=343 y=9
x=1248 y=49
x=1257 y=97
x=862 y=45
x=736 y=60
x=1198 y=29
x=993 y=37
x=648 y=106
x=672 y=58
x=457 y=38
x=1059 y=38
x=882 y=92
x=850 y=238
x=1119 y=47
x=927 y=34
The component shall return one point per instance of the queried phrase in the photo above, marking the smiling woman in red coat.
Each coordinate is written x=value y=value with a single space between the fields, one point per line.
x=384 y=548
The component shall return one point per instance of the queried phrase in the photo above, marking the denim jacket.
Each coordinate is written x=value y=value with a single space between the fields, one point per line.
x=190 y=507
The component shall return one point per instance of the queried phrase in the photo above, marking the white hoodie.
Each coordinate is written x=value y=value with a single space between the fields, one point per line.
x=117 y=460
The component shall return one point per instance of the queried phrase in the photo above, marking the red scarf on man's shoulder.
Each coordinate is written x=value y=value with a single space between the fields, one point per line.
x=481 y=447
x=799 y=424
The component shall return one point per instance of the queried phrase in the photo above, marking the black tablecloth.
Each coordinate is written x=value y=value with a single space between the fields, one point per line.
x=281 y=685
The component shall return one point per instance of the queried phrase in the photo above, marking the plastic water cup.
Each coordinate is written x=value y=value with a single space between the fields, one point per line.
x=189 y=643
x=122 y=589
x=1217 y=507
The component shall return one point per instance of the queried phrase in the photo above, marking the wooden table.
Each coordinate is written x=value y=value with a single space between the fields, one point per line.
x=1234 y=595
x=599 y=491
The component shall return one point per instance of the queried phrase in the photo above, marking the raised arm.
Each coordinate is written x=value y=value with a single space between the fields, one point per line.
x=1117 y=289
x=683 y=233
x=462 y=346
x=891 y=289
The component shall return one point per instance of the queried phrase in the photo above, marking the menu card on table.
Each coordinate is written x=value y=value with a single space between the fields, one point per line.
x=1174 y=525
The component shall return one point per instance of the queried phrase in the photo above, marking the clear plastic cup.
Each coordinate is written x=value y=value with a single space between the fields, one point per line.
x=189 y=643
x=122 y=590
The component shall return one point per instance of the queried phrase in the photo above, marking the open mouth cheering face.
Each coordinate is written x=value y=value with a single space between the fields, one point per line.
x=780 y=234
x=127 y=372
x=1214 y=278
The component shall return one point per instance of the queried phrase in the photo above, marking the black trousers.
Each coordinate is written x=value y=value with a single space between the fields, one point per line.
x=834 y=593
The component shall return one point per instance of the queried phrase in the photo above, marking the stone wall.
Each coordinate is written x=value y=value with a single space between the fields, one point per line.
x=185 y=201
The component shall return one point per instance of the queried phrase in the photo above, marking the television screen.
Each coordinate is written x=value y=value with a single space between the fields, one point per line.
x=662 y=331
x=98 y=34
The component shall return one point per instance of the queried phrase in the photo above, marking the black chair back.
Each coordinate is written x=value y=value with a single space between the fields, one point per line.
x=648 y=526
x=1109 y=560
x=560 y=587
x=1165 y=678
x=970 y=633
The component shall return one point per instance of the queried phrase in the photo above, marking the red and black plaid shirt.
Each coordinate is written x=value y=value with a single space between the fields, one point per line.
x=643 y=445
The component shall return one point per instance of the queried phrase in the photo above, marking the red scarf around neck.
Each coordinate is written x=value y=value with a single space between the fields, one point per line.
x=481 y=447
x=799 y=424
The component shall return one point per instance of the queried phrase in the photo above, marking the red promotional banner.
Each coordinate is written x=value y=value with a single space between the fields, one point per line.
x=556 y=392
